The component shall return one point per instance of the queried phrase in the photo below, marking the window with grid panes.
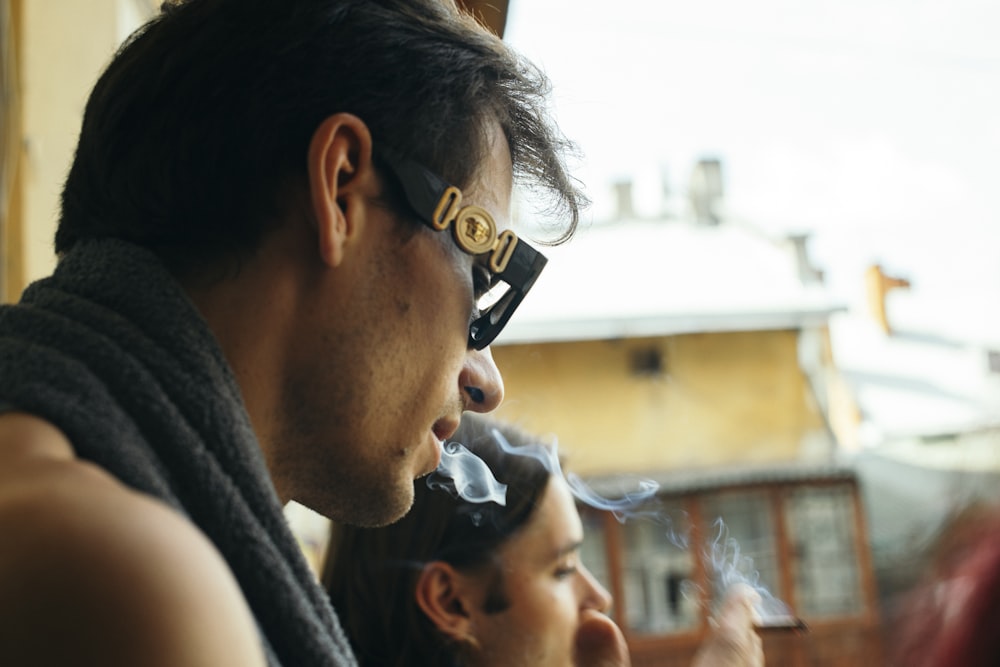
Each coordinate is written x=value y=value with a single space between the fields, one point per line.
x=660 y=594
x=741 y=541
x=822 y=535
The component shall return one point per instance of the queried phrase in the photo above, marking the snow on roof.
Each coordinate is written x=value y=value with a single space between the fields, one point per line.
x=911 y=385
x=653 y=278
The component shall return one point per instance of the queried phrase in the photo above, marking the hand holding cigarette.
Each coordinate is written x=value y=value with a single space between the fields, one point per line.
x=600 y=643
x=734 y=642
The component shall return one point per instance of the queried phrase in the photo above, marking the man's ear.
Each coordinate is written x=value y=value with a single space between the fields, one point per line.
x=341 y=176
x=443 y=595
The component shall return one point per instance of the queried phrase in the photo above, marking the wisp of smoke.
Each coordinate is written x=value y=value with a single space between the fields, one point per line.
x=729 y=565
x=464 y=475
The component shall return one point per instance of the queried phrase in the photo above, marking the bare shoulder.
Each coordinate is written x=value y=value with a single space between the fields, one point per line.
x=93 y=573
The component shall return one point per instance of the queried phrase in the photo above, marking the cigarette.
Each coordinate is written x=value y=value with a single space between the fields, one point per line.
x=784 y=622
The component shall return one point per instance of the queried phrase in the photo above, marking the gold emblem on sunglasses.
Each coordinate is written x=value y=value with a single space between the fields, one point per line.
x=474 y=229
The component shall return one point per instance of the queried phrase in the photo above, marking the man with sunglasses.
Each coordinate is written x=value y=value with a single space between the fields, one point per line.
x=285 y=247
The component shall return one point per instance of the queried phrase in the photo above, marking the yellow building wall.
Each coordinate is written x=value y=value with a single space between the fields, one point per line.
x=62 y=47
x=721 y=399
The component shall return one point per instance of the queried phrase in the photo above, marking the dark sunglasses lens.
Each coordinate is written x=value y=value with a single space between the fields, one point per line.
x=503 y=308
x=490 y=323
x=496 y=293
x=502 y=299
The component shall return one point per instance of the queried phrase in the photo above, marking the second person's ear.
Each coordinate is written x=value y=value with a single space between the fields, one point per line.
x=442 y=594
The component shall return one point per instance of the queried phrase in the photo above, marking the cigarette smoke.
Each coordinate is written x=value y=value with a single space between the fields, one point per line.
x=464 y=475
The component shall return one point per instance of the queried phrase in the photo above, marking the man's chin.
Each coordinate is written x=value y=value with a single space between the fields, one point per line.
x=390 y=516
x=373 y=510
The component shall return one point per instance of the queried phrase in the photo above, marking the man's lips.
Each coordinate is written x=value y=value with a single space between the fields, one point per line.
x=444 y=428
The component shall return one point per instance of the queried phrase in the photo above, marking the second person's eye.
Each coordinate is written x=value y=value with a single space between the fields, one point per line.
x=567 y=570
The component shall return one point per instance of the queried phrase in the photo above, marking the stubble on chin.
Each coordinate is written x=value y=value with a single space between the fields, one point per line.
x=359 y=497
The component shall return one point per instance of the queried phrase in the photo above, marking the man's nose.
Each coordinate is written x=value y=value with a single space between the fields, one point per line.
x=479 y=382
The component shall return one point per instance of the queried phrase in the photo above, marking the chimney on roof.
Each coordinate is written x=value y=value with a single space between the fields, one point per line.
x=878 y=284
x=705 y=191
x=623 y=197
x=808 y=273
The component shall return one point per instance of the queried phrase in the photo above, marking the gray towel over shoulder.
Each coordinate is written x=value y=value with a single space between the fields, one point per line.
x=111 y=350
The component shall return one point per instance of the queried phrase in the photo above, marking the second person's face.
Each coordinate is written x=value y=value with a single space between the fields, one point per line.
x=547 y=587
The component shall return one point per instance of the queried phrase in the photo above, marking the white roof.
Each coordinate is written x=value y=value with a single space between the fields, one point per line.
x=654 y=278
x=915 y=385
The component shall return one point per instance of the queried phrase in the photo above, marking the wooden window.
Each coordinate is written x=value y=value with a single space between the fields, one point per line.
x=741 y=541
x=822 y=536
x=798 y=542
x=659 y=581
x=803 y=541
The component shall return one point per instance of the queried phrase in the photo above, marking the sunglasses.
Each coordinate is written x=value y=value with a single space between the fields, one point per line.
x=513 y=265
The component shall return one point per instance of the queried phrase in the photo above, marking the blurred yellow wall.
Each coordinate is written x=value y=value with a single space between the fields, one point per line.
x=720 y=399
x=62 y=47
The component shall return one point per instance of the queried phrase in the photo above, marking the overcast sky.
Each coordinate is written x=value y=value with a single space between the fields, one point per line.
x=873 y=123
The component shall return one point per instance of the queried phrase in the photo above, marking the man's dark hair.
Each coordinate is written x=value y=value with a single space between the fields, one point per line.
x=195 y=137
